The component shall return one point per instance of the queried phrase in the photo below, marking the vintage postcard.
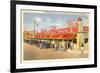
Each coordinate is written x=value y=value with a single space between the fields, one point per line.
x=55 y=35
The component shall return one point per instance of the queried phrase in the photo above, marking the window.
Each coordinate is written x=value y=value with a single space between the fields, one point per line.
x=86 y=40
x=75 y=41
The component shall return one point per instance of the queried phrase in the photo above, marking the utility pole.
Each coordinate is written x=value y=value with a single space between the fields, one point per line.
x=34 y=26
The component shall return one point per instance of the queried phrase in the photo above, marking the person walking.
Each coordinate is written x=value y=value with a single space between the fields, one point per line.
x=68 y=45
x=71 y=45
x=82 y=49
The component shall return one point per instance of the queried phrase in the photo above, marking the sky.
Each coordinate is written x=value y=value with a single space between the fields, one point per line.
x=47 y=20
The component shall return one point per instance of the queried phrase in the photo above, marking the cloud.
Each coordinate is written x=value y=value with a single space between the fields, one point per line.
x=59 y=20
x=38 y=19
x=57 y=24
x=28 y=27
x=49 y=20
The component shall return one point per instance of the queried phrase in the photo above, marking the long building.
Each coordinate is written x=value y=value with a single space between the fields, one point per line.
x=75 y=32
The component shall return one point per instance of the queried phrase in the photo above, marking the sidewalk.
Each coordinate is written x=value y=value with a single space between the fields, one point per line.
x=32 y=52
x=77 y=51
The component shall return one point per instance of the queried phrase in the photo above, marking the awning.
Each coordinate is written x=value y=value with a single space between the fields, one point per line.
x=66 y=36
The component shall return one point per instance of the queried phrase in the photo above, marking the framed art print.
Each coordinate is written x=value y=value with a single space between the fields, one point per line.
x=52 y=36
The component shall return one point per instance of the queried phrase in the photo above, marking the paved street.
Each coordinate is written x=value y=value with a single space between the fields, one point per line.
x=32 y=52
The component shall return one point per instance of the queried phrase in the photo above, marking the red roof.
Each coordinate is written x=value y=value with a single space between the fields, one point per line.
x=65 y=33
x=66 y=36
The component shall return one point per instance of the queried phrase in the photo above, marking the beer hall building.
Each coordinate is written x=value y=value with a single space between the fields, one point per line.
x=75 y=33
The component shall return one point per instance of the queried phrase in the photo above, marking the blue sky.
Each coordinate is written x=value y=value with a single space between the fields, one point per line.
x=45 y=21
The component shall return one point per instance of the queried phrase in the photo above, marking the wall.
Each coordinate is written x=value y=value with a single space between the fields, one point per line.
x=5 y=36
